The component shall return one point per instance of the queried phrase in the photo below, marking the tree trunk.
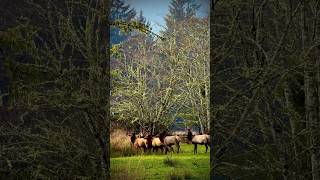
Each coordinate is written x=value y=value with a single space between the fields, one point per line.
x=277 y=135
x=311 y=112
x=201 y=126
x=311 y=98
x=289 y=107
x=207 y=107
x=318 y=123
x=153 y=128
x=103 y=130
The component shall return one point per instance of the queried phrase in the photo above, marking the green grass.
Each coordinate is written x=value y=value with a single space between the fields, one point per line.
x=184 y=165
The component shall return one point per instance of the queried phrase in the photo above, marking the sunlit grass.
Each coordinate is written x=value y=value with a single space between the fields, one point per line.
x=184 y=165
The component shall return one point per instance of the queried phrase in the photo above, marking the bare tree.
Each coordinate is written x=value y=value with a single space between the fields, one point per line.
x=144 y=85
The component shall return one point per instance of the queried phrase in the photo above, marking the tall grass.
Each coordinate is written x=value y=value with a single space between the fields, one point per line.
x=120 y=144
x=153 y=166
x=179 y=175
x=126 y=173
x=169 y=161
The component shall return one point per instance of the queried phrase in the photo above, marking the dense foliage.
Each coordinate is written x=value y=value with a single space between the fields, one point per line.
x=265 y=89
x=55 y=123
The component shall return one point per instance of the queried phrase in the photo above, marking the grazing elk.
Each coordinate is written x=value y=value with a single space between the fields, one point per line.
x=200 y=139
x=140 y=143
x=168 y=141
x=148 y=141
x=133 y=138
x=157 y=144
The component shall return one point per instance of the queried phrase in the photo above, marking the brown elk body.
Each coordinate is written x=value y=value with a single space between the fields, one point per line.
x=169 y=141
x=200 y=139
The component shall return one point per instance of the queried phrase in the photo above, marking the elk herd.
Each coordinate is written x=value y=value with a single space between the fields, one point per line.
x=165 y=142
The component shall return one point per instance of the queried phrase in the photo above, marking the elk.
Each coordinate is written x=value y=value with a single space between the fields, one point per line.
x=200 y=139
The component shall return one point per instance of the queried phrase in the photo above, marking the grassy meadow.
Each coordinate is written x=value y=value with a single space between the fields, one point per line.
x=184 y=165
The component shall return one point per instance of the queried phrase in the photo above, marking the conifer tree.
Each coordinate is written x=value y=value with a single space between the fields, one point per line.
x=179 y=11
x=123 y=12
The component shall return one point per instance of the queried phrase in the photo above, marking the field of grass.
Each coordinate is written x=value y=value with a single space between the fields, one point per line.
x=184 y=165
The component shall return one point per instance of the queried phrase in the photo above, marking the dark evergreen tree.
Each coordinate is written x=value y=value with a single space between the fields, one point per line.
x=180 y=10
x=120 y=11
x=142 y=19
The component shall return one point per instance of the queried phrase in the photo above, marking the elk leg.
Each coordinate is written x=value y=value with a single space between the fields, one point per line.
x=178 y=148
x=206 y=147
x=197 y=149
